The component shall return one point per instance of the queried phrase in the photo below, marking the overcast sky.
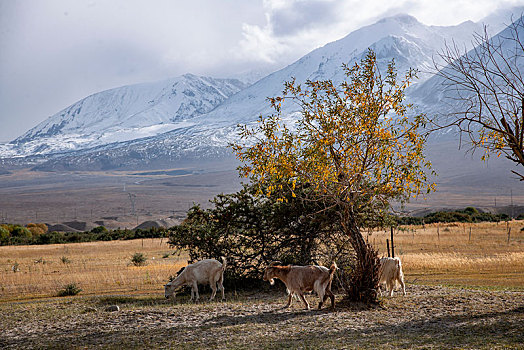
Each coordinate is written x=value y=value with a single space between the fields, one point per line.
x=56 y=52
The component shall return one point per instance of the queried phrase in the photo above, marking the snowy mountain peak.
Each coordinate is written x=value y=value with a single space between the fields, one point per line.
x=126 y=113
x=401 y=18
x=197 y=116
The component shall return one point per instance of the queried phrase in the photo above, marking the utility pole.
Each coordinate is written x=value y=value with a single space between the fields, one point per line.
x=132 y=198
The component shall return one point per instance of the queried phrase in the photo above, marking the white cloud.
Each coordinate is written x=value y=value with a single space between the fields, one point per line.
x=295 y=27
x=55 y=52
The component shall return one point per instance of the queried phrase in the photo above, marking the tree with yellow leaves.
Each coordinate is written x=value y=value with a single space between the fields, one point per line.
x=353 y=146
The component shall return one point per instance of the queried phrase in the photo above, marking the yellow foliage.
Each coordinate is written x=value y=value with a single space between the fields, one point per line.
x=37 y=229
x=352 y=142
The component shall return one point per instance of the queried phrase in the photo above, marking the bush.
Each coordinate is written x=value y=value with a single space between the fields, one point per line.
x=99 y=229
x=33 y=234
x=468 y=214
x=138 y=259
x=20 y=231
x=251 y=231
x=70 y=289
x=37 y=229
x=4 y=234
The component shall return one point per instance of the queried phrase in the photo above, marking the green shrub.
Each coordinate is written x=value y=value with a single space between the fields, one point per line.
x=65 y=260
x=70 y=289
x=471 y=211
x=99 y=229
x=138 y=259
x=20 y=231
x=252 y=230
x=4 y=234
x=468 y=214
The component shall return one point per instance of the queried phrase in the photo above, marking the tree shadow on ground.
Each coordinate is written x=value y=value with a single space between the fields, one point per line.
x=132 y=300
x=487 y=330
x=275 y=316
x=139 y=301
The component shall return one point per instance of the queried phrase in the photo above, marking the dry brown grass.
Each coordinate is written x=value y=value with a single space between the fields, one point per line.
x=105 y=267
x=96 y=267
x=447 y=254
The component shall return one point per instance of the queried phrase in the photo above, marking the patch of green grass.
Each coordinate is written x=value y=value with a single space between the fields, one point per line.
x=69 y=290
x=138 y=259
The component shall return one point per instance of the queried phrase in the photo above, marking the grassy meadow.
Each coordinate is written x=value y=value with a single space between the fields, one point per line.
x=434 y=254
x=95 y=267
x=462 y=293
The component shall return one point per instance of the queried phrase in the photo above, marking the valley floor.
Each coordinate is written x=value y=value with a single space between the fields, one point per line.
x=465 y=290
x=427 y=317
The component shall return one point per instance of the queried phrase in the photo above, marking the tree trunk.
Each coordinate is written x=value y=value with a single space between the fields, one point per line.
x=363 y=280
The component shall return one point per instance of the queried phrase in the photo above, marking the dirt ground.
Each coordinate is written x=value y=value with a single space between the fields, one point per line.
x=120 y=198
x=127 y=198
x=428 y=317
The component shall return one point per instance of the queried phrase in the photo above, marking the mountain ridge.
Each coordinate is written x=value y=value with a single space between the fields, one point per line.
x=125 y=113
x=199 y=134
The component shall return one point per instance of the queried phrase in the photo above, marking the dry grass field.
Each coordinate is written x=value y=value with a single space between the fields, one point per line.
x=96 y=267
x=449 y=254
x=462 y=293
x=435 y=254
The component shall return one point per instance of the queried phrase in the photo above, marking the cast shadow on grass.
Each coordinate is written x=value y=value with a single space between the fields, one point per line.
x=266 y=317
x=481 y=331
x=131 y=300
x=140 y=301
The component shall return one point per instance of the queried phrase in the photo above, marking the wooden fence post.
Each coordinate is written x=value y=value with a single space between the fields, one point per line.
x=392 y=244
x=387 y=243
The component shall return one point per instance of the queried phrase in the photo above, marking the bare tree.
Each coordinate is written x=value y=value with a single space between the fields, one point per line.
x=486 y=86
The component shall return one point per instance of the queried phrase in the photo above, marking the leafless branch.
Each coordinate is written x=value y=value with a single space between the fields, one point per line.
x=486 y=88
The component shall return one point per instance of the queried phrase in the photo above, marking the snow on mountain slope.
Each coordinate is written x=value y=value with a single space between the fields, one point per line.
x=204 y=128
x=402 y=38
x=125 y=113
x=438 y=99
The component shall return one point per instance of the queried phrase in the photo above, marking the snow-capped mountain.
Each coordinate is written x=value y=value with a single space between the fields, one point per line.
x=125 y=113
x=122 y=128
x=402 y=38
x=434 y=93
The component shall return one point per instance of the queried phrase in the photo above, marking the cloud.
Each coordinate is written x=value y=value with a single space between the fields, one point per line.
x=295 y=16
x=55 y=52
x=294 y=27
